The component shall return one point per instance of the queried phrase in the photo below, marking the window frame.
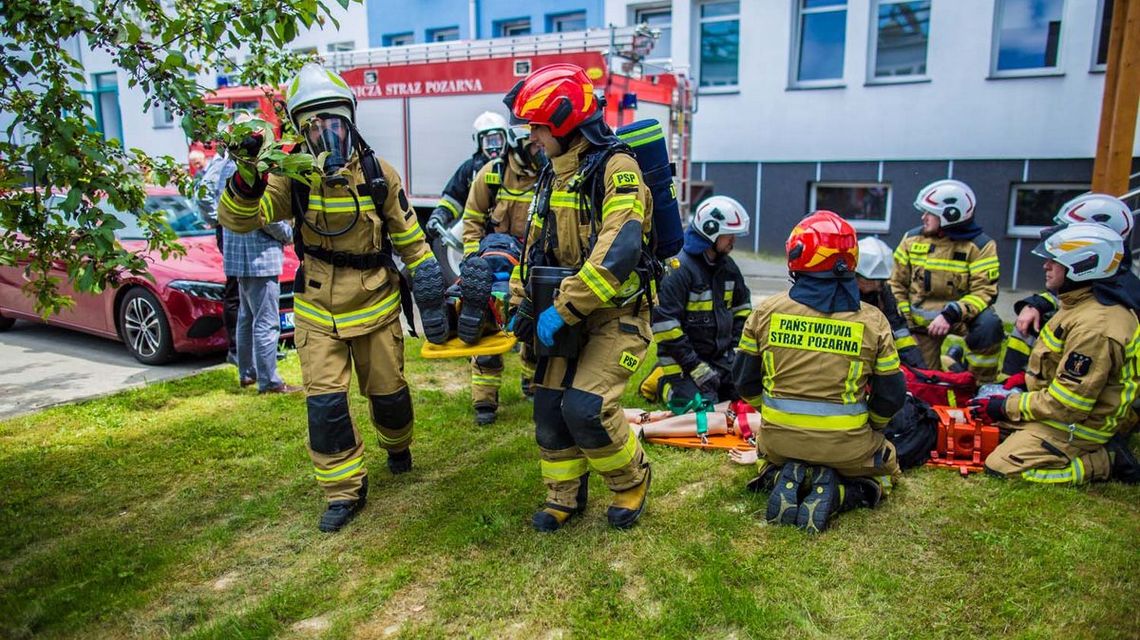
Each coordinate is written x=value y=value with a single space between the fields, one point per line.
x=554 y=19
x=432 y=35
x=861 y=226
x=794 y=81
x=665 y=8
x=96 y=93
x=338 y=47
x=719 y=88
x=501 y=26
x=397 y=39
x=1094 y=66
x=163 y=116
x=1036 y=72
x=873 y=48
x=1032 y=232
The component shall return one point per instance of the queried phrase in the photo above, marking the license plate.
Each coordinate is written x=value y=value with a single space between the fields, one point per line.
x=287 y=321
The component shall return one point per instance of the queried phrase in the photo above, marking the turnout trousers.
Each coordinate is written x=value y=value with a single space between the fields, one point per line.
x=487 y=377
x=579 y=422
x=984 y=335
x=1040 y=453
x=327 y=362
x=861 y=453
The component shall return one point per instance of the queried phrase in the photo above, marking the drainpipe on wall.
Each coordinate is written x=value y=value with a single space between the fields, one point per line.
x=473 y=18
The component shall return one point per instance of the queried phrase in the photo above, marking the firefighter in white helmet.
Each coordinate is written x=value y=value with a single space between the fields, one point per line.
x=701 y=309
x=1083 y=372
x=946 y=278
x=347 y=294
x=490 y=136
x=872 y=274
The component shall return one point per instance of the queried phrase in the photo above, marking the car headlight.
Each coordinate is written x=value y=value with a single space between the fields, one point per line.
x=197 y=289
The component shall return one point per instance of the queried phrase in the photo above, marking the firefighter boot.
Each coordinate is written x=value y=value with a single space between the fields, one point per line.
x=475 y=280
x=765 y=480
x=429 y=288
x=821 y=501
x=551 y=517
x=859 y=493
x=341 y=512
x=628 y=505
x=485 y=414
x=400 y=461
x=784 y=502
x=1125 y=468
x=955 y=359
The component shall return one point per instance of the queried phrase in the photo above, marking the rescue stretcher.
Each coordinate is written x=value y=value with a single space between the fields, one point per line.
x=727 y=426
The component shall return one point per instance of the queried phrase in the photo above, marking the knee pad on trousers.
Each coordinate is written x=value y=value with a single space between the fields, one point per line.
x=392 y=411
x=986 y=331
x=582 y=412
x=330 y=425
x=549 y=429
x=489 y=362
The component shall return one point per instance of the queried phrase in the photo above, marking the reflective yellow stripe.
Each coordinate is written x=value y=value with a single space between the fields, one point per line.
x=877 y=419
x=485 y=380
x=671 y=370
x=417 y=262
x=408 y=237
x=447 y=204
x=747 y=344
x=941 y=264
x=904 y=307
x=901 y=255
x=1070 y=399
x=339 y=204
x=851 y=384
x=492 y=177
x=671 y=334
x=769 y=374
x=312 y=313
x=511 y=197
x=1017 y=344
x=1023 y=402
x=890 y=364
x=984 y=264
x=618 y=203
x=341 y=471
x=394 y=441
x=568 y=200
x=563 y=470
x=472 y=247
x=590 y=277
x=698 y=305
x=905 y=342
x=315 y=314
x=1051 y=341
x=974 y=301
x=1081 y=431
x=617 y=460
x=743 y=313
x=818 y=423
x=1129 y=380
x=1073 y=473
x=474 y=215
x=239 y=210
x=980 y=360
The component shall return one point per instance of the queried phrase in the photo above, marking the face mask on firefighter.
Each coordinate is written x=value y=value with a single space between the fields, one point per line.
x=329 y=138
x=491 y=143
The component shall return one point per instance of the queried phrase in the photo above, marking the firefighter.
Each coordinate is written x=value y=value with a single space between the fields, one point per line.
x=872 y=274
x=497 y=211
x=593 y=215
x=1038 y=308
x=701 y=309
x=1082 y=375
x=946 y=276
x=822 y=369
x=347 y=295
x=490 y=138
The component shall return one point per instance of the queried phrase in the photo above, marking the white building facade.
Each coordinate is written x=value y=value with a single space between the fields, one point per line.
x=854 y=105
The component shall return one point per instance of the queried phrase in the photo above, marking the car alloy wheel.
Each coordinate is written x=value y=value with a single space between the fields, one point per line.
x=144 y=327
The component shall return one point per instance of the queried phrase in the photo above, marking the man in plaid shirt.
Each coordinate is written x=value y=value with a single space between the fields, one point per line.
x=255 y=258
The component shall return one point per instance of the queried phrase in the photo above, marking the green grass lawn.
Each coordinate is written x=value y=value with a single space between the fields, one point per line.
x=188 y=509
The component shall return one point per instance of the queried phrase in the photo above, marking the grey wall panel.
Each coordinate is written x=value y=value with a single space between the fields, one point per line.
x=736 y=180
x=849 y=171
x=991 y=181
x=1061 y=170
x=906 y=178
x=783 y=201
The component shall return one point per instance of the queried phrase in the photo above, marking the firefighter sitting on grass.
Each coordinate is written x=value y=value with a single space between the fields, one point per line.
x=822 y=369
x=701 y=308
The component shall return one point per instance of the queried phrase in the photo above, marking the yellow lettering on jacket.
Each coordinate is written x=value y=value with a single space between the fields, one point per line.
x=815 y=334
x=626 y=179
x=920 y=247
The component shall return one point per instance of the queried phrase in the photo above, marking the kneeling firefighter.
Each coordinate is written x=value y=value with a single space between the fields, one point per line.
x=587 y=240
x=822 y=369
x=347 y=295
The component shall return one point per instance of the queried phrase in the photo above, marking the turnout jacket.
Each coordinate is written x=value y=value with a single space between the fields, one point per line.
x=335 y=299
x=457 y=188
x=935 y=275
x=700 y=313
x=622 y=222
x=1084 y=370
x=908 y=349
x=499 y=202
x=828 y=377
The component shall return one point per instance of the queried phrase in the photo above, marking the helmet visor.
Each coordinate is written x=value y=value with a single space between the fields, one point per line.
x=491 y=143
x=331 y=134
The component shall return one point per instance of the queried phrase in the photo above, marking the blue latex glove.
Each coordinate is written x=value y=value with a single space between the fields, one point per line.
x=549 y=322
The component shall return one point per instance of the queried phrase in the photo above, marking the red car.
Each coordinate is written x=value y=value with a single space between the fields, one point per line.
x=179 y=312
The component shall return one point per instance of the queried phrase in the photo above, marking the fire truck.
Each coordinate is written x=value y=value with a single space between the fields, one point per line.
x=416 y=103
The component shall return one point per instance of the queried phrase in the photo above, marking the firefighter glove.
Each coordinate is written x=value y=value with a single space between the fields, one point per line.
x=549 y=322
x=990 y=410
x=1016 y=381
x=438 y=220
x=522 y=322
x=706 y=377
x=251 y=192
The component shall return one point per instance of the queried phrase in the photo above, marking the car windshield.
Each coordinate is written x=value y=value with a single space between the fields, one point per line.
x=181 y=214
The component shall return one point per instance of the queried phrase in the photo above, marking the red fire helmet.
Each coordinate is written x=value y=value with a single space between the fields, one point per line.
x=823 y=242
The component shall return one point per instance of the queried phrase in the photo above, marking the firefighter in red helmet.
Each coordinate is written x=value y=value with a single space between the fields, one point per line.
x=591 y=221
x=822 y=369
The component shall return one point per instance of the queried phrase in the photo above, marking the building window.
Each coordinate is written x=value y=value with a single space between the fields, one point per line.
x=443 y=34
x=105 y=99
x=1028 y=36
x=1032 y=206
x=163 y=116
x=398 y=39
x=511 y=28
x=661 y=19
x=564 y=22
x=821 y=38
x=1103 y=29
x=333 y=47
x=720 y=44
x=866 y=205
x=902 y=30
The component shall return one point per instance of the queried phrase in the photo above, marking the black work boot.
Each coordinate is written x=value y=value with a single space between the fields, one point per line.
x=957 y=356
x=765 y=480
x=629 y=504
x=341 y=512
x=784 y=502
x=1125 y=468
x=485 y=415
x=400 y=461
x=429 y=288
x=551 y=517
x=821 y=501
x=859 y=493
x=475 y=280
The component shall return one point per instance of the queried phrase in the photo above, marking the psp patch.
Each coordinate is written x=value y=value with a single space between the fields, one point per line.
x=625 y=179
x=629 y=361
x=1078 y=364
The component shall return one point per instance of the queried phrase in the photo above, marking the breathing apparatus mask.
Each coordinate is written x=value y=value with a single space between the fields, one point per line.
x=492 y=142
x=331 y=138
x=528 y=154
